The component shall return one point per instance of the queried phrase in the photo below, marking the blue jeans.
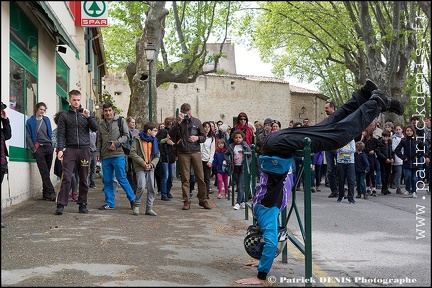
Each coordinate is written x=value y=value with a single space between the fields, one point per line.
x=118 y=165
x=410 y=179
x=167 y=178
x=267 y=219
x=238 y=175
x=398 y=177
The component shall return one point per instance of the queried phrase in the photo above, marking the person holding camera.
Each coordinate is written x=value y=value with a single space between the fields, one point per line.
x=73 y=143
x=187 y=132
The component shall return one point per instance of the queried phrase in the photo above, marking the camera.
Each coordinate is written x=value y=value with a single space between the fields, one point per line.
x=80 y=110
x=185 y=116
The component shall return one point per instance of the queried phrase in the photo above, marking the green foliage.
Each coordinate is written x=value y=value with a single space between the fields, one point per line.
x=126 y=25
x=107 y=98
x=333 y=43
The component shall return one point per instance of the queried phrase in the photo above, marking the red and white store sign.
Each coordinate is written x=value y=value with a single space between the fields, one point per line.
x=90 y=13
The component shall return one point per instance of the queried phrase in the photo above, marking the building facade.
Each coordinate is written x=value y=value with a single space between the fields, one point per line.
x=223 y=97
x=45 y=54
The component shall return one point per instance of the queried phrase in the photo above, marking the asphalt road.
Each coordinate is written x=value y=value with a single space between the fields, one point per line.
x=383 y=241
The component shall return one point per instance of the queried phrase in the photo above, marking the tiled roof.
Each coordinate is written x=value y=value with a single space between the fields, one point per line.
x=293 y=89
x=250 y=77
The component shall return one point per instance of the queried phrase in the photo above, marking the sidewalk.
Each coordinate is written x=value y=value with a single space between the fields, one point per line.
x=115 y=248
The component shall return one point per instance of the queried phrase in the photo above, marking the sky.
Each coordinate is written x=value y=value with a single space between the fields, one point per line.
x=248 y=63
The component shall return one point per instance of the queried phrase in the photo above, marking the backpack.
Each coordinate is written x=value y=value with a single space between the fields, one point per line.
x=125 y=146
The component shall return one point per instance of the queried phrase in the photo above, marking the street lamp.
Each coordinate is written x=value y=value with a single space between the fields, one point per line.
x=150 y=52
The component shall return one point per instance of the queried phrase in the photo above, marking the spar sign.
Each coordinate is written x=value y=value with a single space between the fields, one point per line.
x=94 y=13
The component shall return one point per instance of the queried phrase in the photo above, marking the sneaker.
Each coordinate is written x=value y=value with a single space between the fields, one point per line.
x=151 y=213
x=220 y=196
x=135 y=210
x=165 y=198
x=399 y=191
x=406 y=193
x=93 y=186
x=59 y=209
x=414 y=195
x=358 y=196
x=83 y=208
x=169 y=195
x=236 y=206
x=74 y=196
x=409 y=195
x=333 y=195
x=387 y=103
x=242 y=205
x=106 y=207
x=374 y=194
x=339 y=200
x=190 y=195
x=351 y=201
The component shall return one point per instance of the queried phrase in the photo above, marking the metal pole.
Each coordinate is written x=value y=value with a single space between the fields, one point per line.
x=150 y=92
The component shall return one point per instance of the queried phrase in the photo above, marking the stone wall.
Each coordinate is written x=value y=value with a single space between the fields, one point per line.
x=223 y=97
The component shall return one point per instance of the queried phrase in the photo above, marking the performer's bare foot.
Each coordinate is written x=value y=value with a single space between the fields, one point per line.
x=250 y=281
x=252 y=263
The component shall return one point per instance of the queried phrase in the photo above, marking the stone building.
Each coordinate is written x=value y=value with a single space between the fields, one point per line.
x=222 y=97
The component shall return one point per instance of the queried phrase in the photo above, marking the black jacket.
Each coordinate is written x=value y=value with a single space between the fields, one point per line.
x=410 y=151
x=180 y=133
x=166 y=150
x=73 y=130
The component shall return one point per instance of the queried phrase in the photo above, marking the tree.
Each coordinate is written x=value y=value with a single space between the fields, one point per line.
x=343 y=43
x=179 y=35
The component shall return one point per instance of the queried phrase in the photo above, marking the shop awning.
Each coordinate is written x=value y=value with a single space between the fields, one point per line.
x=56 y=28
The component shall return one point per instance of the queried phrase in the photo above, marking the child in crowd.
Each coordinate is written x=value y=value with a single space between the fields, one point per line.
x=411 y=152
x=346 y=171
x=221 y=167
x=385 y=158
x=361 y=163
x=371 y=146
x=235 y=155
x=397 y=164
x=207 y=153
x=145 y=155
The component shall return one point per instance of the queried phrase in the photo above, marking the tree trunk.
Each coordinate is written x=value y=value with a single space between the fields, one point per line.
x=138 y=73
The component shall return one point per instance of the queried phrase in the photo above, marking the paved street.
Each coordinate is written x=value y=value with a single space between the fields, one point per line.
x=373 y=242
